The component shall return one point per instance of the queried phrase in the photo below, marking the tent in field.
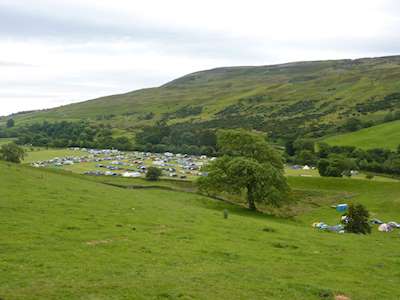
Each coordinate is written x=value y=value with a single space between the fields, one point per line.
x=131 y=174
x=385 y=227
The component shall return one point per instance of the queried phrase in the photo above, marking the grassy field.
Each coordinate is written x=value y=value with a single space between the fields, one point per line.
x=40 y=154
x=5 y=141
x=64 y=236
x=386 y=135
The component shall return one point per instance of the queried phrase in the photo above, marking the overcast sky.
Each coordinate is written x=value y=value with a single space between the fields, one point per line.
x=54 y=52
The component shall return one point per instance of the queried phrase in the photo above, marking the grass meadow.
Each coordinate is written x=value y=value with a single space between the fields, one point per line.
x=66 y=236
x=386 y=135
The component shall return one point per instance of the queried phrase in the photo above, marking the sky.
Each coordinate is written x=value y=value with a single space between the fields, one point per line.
x=55 y=52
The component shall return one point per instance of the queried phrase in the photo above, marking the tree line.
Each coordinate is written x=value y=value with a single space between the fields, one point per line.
x=337 y=161
x=70 y=134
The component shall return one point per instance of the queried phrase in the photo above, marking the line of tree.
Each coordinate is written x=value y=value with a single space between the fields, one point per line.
x=177 y=138
x=340 y=160
x=71 y=134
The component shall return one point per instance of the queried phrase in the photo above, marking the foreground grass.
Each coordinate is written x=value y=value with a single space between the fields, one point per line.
x=64 y=237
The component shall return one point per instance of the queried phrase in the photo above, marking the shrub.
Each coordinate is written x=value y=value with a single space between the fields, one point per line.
x=12 y=153
x=153 y=174
x=10 y=123
x=357 y=221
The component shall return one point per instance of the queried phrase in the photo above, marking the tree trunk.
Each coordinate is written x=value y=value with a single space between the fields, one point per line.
x=250 y=198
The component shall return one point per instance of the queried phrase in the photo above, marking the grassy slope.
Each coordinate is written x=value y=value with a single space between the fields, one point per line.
x=41 y=154
x=63 y=237
x=333 y=86
x=5 y=141
x=387 y=135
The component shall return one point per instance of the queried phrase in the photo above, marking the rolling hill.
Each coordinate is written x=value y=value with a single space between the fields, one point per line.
x=316 y=96
x=387 y=134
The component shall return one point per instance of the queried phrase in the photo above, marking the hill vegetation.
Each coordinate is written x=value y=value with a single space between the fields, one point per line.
x=307 y=99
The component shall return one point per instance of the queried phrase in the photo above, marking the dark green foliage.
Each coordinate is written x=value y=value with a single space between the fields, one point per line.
x=306 y=157
x=335 y=166
x=178 y=139
x=249 y=165
x=188 y=111
x=147 y=116
x=304 y=144
x=289 y=148
x=388 y=102
x=12 y=153
x=70 y=134
x=153 y=174
x=351 y=158
x=324 y=150
x=358 y=220
x=323 y=165
x=10 y=123
x=352 y=124
x=298 y=107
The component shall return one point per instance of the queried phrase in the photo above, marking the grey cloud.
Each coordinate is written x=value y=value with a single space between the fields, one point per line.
x=19 y=23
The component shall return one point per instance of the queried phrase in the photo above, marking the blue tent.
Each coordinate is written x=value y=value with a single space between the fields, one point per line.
x=341 y=207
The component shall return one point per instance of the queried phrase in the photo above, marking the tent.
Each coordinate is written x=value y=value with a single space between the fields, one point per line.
x=385 y=227
x=131 y=174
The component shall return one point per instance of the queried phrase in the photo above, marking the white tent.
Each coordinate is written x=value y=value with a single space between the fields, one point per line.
x=131 y=174
x=385 y=227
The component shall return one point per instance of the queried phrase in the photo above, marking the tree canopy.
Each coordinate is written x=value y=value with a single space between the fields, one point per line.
x=153 y=173
x=10 y=123
x=248 y=164
x=358 y=220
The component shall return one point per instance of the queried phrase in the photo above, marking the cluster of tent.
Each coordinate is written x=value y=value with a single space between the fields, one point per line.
x=339 y=228
x=342 y=208
x=385 y=227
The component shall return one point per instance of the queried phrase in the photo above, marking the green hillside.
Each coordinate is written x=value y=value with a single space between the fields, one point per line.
x=64 y=236
x=385 y=135
x=312 y=98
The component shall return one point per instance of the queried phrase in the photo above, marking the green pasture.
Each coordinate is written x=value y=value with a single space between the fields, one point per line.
x=386 y=135
x=66 y=236
x=35 y=154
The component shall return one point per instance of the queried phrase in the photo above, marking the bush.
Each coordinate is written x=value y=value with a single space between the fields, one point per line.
x=12 y=153
x=306 y=157
x=357 y=220
x=369 y=176
x=323 y=165
x=10 y=123
x=336 y=166
x=153 y=174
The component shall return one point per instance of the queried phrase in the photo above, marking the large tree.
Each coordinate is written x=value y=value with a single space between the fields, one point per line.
x=248 y=164
x=12 y=152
